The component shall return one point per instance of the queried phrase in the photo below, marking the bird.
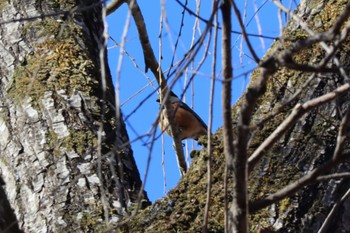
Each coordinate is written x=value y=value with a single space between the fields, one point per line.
x=190 y=125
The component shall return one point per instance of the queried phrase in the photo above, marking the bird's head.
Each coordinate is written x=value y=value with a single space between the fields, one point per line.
x=172 y=98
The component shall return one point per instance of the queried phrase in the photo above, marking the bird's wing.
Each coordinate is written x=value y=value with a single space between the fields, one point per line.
x=187 y=108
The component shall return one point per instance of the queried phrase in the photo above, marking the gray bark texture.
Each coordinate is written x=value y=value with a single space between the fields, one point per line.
x=65 y=160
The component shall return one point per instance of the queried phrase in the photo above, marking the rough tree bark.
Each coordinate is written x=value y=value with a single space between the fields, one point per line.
x=307 y=145
x=58 y=175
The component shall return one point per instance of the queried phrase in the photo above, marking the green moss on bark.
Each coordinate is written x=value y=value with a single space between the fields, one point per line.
x=54 y=65
x=81 y=141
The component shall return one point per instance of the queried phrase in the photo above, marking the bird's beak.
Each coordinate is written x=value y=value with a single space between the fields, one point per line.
x=158 y=100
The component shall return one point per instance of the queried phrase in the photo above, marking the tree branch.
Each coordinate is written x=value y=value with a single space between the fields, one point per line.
x=244 y=33
x=151 y=62
x=232 y=31
x=296 y=185
x=113 y=6
x=326 y=224
x=238 y=215
x=290 y=189
x=210 y=123
x=340 y=175
x=298 y=111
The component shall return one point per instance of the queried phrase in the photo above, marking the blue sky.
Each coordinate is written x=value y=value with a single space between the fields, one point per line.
x=132 y=79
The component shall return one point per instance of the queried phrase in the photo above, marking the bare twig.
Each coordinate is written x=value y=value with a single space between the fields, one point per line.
x=327 y=222
x=138 y=92
x=298 y=111
x=322 y=38
x=102 y=46
x=195 y=27
x=118 y=179
x=232 y=31
x=284 y=59
x=210 y=123
x=281 y=108
x=151 y=62
x=290 y=189
x=160 y=55
x=237 y=217
x=163 y=166
x=340 y=175
x=113 y=6
x=139 y=105
x=280 y=21
x=296 y=185
x=140 y=195
x=244 y=33
x=226 y=195
x=193 y=51
x=178 y=37
x=258 y=24
x=200 y=63
x=241 y=37
x=120 y=61
x=342 y=135
x=150 y=82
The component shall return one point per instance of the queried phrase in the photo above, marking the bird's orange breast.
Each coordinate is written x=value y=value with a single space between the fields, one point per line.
x=190 y=126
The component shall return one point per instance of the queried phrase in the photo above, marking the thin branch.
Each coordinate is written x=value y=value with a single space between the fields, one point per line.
x=256 y=12
x=195 y=27
x=193 y=51
x=150 y=82
x=151 y=62
x=210 y=123
x=298 y=111
x=258 y=24
x=118 y=179
x=290 y=189
x=140 y=195
x=240 y=37
x=296 y=185
x=160 y=55
x=237 y=217
x=113 y=6
x=138 y=92
x=232 y=31
x=340 y=175
x=280 y=21
x=244 y=33
x=327 y=222
x=120 y=62
x=281 y=108
x=178 y=38
x=284 y=59
x=163 y=166
x=200 y=63
x=323 y=37
x=342 y=135
x=102 y=47
x=148 y=53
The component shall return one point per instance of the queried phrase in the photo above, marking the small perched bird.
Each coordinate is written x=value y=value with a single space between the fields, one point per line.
x=189 y=123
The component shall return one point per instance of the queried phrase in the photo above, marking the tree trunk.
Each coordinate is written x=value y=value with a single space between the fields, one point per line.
x=65 y=158
x=8 y=221
x=309 y=144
